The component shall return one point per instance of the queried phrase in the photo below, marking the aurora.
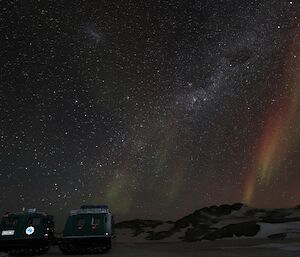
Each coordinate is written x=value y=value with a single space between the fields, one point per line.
x=280 y=133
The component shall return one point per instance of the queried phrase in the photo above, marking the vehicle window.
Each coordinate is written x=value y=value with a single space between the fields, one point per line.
x=95 y=221
x=34 y=222
x=80 y=222
x=10 y=222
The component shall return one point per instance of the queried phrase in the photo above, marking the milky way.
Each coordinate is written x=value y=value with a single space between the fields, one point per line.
x=155 y=109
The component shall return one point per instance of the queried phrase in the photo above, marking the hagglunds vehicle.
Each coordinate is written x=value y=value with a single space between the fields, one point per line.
x=88 y=230
x=26 y=232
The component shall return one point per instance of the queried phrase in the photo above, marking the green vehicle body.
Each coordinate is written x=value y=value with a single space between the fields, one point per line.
x=88 y=230
x=26 y=232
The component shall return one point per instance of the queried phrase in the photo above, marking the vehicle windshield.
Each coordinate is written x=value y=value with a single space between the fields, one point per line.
x=9 y=222
x=34 y=221
x=95 y=221
x=80 y=222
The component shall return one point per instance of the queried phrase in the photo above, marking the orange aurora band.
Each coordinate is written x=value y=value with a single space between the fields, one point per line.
x=279 y=134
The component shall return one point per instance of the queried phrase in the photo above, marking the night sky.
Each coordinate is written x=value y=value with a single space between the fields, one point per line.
x=153 y=107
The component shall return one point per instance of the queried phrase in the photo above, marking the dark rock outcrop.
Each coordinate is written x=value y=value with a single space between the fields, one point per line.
x=278 y=236
x=206 y=223
x=138 y=225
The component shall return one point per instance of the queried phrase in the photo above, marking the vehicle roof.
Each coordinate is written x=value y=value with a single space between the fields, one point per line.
x=87 y=212
x=36 y=214
x=91 y=209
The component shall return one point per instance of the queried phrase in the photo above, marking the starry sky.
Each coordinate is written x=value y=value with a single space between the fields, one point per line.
x=153 y=107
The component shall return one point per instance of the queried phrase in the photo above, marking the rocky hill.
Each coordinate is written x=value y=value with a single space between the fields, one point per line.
x=216 y=222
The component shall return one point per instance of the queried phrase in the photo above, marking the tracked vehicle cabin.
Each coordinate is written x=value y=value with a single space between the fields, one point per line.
x=27 y=232
x=88 y=230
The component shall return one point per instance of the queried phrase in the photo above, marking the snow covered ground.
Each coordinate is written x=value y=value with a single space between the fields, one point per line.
x=220 y=248
x=292 y=229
